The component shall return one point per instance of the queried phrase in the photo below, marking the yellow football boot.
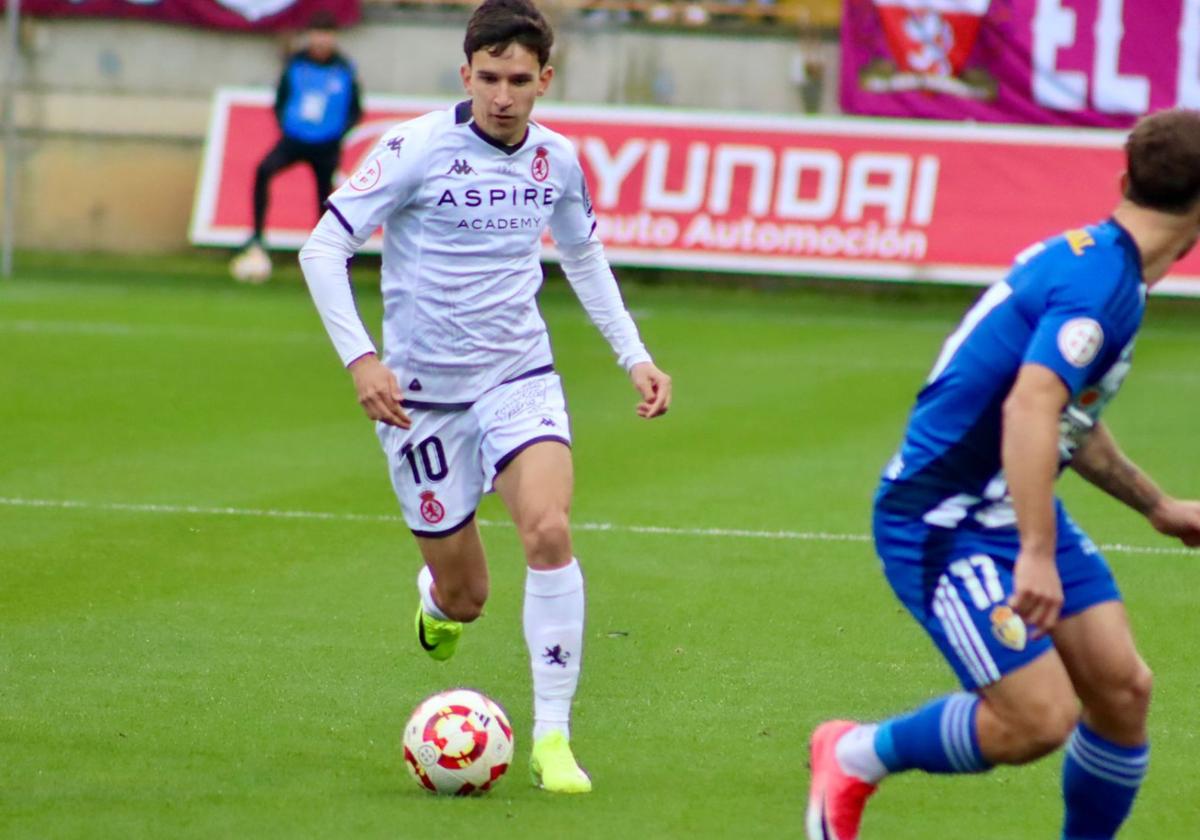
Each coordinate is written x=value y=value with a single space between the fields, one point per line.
x=554 y=768
x=438 y=638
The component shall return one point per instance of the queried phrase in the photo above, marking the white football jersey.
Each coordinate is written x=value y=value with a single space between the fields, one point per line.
x=462 y=217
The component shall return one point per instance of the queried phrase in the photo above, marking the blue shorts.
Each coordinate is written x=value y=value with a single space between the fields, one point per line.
x=957 y=581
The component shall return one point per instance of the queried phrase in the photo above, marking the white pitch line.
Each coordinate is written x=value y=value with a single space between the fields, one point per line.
x=327 y=516
x=115 y=329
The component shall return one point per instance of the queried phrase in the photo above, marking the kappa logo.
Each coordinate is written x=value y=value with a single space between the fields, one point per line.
x=556 y=656
x=460 y=167
x=540 y=168
x=587 y=200
x=395 y=143
x=415 y=385
x=546 y=421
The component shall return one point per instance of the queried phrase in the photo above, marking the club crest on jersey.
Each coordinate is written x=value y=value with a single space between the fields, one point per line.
x=1080 y=340
x=541 y=164
x=368 y=176
x=432 y=510
x=1008 y=628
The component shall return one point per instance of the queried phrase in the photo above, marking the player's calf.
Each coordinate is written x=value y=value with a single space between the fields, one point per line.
x=1028 y=713
x=461 y=605
x=1025 y=733
x=453 y=597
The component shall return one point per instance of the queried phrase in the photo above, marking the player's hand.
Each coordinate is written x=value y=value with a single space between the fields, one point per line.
x=378 y=391
x=655 y=388
x=1177 y=518
x=1037 y=591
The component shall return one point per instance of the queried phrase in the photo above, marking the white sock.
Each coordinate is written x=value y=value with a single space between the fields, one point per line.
x=425 y=587
x=856 y=754
x=554 y=634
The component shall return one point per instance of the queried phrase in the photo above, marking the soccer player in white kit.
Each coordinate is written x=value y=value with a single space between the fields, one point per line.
x=465 y=398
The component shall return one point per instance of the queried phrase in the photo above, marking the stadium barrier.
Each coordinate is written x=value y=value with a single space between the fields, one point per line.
x=828 y=197
x=792 y=14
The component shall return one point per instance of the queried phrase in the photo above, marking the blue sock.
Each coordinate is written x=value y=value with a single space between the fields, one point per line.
x=1100 y=780
x=938 y=738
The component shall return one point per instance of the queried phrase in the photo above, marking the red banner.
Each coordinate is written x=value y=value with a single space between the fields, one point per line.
x=261 y=15
x=830 y=197
x=1061 y=62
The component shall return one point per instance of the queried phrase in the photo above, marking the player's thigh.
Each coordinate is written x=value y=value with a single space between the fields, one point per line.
x=527 y=459
x=538 y=479
x=525 y=445
x=1108 y=673
x=435 y=470
x=957 y=587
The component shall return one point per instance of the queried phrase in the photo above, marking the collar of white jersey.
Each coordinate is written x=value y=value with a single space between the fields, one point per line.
x=463 y=116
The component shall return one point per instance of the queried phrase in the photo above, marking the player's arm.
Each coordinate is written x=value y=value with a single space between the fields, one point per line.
x=573 y=226
x=386 y=182
x=324 y=259
x=1029 y=454
x=1101 y=462
x=591 y=277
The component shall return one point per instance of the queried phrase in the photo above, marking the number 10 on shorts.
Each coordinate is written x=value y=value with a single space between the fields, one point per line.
x=432 y=460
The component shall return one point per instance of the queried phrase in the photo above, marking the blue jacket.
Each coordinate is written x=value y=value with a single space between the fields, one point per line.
x=317 y=102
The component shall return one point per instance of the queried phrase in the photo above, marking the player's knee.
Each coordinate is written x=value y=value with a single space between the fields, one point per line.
x=1129 y=700
x=547 y=539
x=1141 y=688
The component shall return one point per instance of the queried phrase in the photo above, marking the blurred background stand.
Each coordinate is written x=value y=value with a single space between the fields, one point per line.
x=12 y=23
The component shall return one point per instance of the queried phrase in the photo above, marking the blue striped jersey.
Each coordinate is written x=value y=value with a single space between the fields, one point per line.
x=1073 y=304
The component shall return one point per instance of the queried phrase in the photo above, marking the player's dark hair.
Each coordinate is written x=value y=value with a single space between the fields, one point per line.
x=322 y=20
x=498 y=23
x=1163 y=161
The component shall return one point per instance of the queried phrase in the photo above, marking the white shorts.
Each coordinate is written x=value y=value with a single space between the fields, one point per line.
x=442 y=466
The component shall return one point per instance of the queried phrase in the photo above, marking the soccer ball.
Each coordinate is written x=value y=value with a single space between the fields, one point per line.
x=457 y=743
x=251 y=266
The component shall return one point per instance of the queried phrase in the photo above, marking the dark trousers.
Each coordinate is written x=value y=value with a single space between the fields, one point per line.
x=321 y=157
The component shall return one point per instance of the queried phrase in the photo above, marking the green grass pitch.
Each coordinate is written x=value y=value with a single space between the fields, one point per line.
x=206 y=592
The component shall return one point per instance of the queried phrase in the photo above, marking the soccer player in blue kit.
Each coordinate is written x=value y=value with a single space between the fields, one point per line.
x=974 y=543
